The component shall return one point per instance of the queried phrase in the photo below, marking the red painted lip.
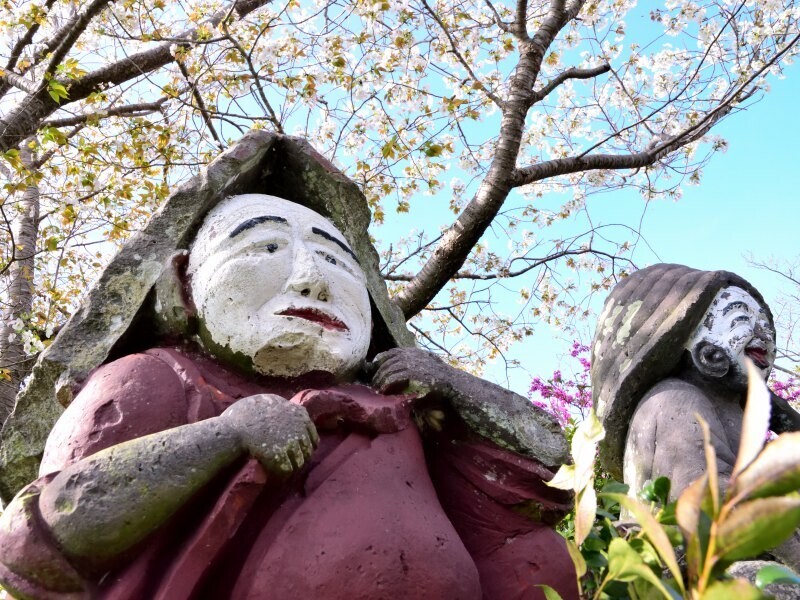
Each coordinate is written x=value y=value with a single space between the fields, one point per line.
x=758 y=356
x=316 y=316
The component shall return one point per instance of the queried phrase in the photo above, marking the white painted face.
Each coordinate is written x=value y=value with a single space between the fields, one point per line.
x=738 y=324
x=275 y=281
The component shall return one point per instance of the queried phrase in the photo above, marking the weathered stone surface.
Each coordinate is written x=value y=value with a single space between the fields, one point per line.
x=507 y=419
x=106 y=325
x=640 y=339
x=748 y=569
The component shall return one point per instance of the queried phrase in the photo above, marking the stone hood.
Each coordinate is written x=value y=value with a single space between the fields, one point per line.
x=117 y=314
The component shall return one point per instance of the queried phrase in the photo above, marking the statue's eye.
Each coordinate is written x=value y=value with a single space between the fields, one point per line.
x=271 y=248
x=330 y=259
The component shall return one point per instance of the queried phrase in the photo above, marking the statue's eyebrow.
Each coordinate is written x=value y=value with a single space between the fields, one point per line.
x=256 y=221
x=734 y=305
x=338 y=242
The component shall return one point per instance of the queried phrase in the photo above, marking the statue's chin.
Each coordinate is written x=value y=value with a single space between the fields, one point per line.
x=296 y=355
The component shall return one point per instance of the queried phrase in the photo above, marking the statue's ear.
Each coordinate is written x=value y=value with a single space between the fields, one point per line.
x=174 y=307
x=710 y=359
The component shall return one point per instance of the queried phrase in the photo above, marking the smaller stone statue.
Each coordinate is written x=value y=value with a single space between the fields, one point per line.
x=670 y=345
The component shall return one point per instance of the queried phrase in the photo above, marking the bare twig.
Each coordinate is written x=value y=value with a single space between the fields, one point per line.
x=142 y=108
x=201 y=105
x=571 y=73
x=454 y=49
x=67 y=37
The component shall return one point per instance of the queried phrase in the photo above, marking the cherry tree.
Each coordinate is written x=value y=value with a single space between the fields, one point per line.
x=483 y=108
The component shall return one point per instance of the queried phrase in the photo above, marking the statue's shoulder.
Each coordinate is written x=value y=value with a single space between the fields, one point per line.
x=672 y=396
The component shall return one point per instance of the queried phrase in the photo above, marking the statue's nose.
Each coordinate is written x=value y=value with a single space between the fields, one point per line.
x=763 y=331
x=306 y=278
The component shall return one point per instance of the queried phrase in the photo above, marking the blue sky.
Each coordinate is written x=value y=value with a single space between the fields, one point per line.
x=746 y=204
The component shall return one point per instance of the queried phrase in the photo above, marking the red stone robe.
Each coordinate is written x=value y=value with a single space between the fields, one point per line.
x=377 y=512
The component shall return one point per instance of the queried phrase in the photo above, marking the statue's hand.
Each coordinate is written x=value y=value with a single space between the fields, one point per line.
x=411 y=370
x=497 y=414
x=273 y=430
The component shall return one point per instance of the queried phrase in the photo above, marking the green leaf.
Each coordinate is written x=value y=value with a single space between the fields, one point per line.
x=740 y=589
x=711 y=467
x=756 y=526
x=656 y=491
x=775 y=472
x=549 y=593
x=577 y=559
x=691 y=503
x=56 y=90
x=654 y=532
x=564 y=479
x=585 y=511
x=755 y=424
x=692 y=513
x=584 y=449
x=625 y=564
x=776 y=574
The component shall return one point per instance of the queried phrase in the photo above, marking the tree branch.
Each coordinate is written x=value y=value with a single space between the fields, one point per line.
x=649 y=156
x=19 y=46
x=142 y=108
x=571 y=73
x=498 y=21
x=24 y=119
x=256 y=80
x=506 y=274
x=520 y=26
x=457 y=242
x=67 y=37
x=11 y=79
x=493 y=97
x=201 y=105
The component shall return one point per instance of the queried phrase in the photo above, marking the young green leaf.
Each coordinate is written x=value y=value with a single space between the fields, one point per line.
x=564 y=479
x=756 y=526
x=625 y=564
x=776 y=471
x=585 y=511
x=756 y=420
x=691 y=512
x=577 y=559
x=549 y=593
x=656 y=491
x=584 y=449
x=739 y=589
x=776 y=573
x=711 y=467
x=654 y=532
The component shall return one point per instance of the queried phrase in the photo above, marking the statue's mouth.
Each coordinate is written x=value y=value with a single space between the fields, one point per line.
x=314 y=315
x=758 y=355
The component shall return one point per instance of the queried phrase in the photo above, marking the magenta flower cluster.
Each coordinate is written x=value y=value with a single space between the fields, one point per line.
x=565 y=399
x=568 y=399
x=788 y=389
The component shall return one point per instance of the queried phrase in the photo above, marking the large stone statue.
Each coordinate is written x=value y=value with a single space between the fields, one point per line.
x=671 y=344
x=264 y=433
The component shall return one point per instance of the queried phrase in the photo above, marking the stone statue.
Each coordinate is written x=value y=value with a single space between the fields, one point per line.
x=670 y=344
x=280 y=439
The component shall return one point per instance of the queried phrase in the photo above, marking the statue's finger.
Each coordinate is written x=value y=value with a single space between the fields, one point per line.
x=296 y=455
x=384 y=356
x=306 y=444
x=395 y=383
x=312 y=434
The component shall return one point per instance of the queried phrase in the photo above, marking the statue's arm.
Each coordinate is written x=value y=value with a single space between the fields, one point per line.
x=101 y=505
x=783 y=418
x=666 y=438
x=494 y=413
